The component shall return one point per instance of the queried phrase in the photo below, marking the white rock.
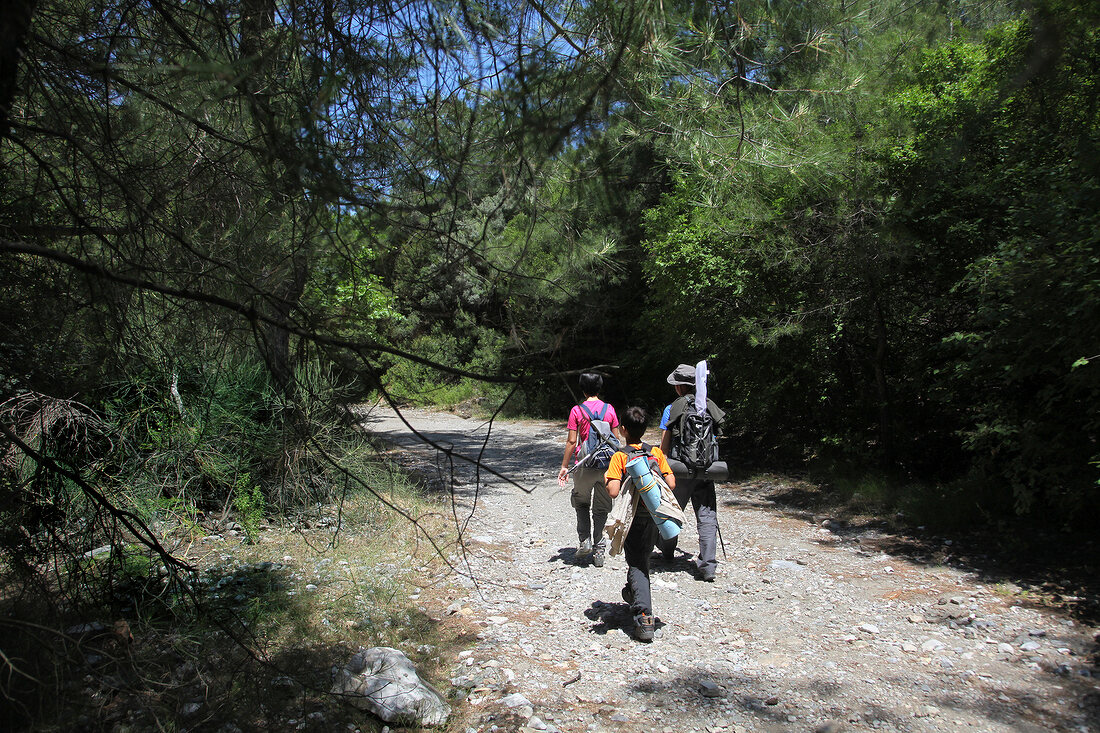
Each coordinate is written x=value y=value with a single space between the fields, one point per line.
x=384 y=681
x=515 y=700
x=784 y=565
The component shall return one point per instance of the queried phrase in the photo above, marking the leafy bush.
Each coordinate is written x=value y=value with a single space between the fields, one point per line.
x=197 y=454
x=418 y=384
x=248 y=500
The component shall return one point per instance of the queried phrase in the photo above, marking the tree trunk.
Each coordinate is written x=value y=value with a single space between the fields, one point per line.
x=283 y=297
x=15 y=22
x=885 y=436
x=282 y=291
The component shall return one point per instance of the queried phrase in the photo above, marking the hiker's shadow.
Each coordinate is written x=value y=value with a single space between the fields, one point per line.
x=612 y=617
x=609 y=616
x=568 y=556
x=682 y=563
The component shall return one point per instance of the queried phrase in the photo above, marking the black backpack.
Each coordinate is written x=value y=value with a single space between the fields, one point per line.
x=647 y=451
x=695 y=441
x=601 y=443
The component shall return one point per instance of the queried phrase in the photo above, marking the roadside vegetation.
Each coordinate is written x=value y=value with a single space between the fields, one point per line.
x=225 y=224
x=221 y=610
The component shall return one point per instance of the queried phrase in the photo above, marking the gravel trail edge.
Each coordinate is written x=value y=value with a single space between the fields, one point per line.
x=806 y=628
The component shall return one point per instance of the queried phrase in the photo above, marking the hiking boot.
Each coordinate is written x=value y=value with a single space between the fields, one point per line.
x=643 y=627
x=598 y=556
x=585 y=548
x=628 y=595
x=705 y=574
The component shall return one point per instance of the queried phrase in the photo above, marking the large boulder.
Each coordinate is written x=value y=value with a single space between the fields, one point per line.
x=384 y=681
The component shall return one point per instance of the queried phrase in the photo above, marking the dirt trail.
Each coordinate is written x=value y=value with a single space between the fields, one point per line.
x=807 y=628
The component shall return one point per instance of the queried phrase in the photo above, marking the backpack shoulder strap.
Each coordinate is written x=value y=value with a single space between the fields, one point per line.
x=593 y=415
x=632 y=452
x=679 y=407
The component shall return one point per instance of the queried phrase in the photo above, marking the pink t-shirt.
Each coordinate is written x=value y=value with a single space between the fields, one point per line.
x=579 y=421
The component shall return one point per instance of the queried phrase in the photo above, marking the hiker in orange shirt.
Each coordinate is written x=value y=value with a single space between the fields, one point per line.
x=642 y=535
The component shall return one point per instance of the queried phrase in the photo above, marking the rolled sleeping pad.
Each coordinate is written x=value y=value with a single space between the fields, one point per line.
x=650 y=492
x=717 y=471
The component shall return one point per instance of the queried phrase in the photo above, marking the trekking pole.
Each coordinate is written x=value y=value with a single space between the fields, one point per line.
x=721 y=541
x=579 y=463
x=718 y=526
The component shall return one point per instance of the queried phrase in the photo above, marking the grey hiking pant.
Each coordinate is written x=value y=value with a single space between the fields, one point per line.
x=705 y=503
x=593 y=504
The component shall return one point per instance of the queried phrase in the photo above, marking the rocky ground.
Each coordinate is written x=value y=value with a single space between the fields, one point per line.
x=810 y=626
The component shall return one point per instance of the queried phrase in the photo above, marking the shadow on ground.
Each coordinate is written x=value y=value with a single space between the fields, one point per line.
x=1053 y=569
x=777 y=701
x=614 y=617
x=463 y=461
x=569 y=556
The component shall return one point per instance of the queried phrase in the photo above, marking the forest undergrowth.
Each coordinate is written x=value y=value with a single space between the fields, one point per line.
x=246 y=635
x=167 y=568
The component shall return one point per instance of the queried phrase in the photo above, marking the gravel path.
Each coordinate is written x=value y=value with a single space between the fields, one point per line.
x=807 y=628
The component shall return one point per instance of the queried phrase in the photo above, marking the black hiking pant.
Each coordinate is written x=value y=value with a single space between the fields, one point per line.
x=637 y=547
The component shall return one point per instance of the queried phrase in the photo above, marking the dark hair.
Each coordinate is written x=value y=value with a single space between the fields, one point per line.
x=634 y=421
x=591 y=384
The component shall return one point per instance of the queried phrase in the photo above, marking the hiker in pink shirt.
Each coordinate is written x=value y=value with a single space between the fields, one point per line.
x=589 y=496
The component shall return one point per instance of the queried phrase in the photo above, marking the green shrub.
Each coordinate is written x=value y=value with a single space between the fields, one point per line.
x=248 y=500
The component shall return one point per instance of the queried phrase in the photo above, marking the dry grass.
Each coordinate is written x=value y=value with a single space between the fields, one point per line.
x=253 y=648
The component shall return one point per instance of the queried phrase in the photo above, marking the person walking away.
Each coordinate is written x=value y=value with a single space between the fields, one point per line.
x=699 y=491
x=589 y=495
x=642 y=535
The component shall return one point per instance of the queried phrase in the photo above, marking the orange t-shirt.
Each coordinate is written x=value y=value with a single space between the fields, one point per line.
x=618 y=463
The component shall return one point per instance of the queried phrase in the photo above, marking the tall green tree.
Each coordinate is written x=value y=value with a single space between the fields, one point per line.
x=776 y=229
x=998 y=193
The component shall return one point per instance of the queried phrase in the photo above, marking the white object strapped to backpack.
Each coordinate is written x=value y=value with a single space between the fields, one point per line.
x=695 y=449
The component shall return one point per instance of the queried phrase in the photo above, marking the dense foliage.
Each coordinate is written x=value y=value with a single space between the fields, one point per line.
x=877 y=220
x=917 y=290
x=225 y=222
x=998 y=201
